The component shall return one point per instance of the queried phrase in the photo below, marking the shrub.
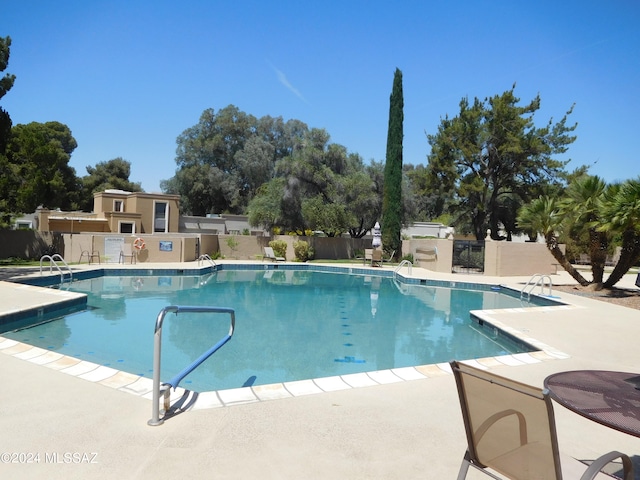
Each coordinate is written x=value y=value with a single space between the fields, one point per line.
x=279 y=248
x=408 y=256
x=303 y=251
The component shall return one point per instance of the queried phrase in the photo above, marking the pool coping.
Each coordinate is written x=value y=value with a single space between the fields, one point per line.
x=191 y=400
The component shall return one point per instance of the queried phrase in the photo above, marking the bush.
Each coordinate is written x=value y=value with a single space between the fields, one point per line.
x=408 y=256
x=302 y=251
x=279 y=248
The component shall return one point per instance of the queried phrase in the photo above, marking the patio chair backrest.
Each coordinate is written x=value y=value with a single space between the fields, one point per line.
x=510 y=426
x=268 y=251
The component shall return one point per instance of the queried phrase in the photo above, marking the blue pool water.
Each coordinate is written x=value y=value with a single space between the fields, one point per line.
x=290 y=325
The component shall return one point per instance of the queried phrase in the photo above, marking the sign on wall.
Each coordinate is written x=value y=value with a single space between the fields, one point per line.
x=112 y=248
x=166 y=246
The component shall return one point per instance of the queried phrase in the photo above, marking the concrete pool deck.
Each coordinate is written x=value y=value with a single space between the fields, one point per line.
x=404 y=429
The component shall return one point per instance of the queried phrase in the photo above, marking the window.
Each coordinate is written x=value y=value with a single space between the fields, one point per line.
x=23 y=225
x=127 y=227
x=161 y=215
x=118 y=206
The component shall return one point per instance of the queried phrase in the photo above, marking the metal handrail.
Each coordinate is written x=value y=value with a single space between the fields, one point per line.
x=157 y=347
x=402 y=263
x=52 y=263
x=203 y=257
x=539 y=281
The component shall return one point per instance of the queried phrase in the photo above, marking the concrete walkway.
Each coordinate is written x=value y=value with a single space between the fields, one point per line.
x=68 y=427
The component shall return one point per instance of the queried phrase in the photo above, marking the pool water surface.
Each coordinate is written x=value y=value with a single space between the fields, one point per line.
x=290 y=325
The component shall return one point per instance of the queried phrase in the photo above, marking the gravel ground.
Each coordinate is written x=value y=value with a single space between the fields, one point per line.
x=620 y=296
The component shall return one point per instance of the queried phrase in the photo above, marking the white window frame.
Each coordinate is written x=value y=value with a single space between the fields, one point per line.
x=24 y=225
x=115 y=205
x=166 y=216
x=133 y=227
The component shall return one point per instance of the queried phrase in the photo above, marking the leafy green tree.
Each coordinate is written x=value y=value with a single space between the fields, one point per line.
x=39 y=154
x=327 y=188
x=266 y=207
x=429 y=199
x=492 y=149
x=6 y=82
x=207 y=175
x=112 y=174
x=582 y=208
x=621 y=214
x=256 y=162
x=593 y=209
x=392 y=197
x=363 y=198
x=330 y=218
x=224 y=159
x=8 y=180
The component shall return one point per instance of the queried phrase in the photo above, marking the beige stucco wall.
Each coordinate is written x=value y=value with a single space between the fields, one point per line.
x=438 y=263
x=501 y=258
x=177 y=247
x=510 y=258
x=209 y=244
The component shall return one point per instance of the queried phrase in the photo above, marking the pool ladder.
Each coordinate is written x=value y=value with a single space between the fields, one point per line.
x=53 y=262
x=204 y=257
x=402 y=264
x=401 y=288
x=537 y=280
x=165 y=388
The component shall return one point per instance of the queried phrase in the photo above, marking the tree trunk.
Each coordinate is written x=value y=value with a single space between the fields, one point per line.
x=598 y=254
x=629 y=256
x=552 y=245
x=478 y=225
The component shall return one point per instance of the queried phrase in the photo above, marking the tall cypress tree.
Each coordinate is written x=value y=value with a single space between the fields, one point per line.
x=392 y=192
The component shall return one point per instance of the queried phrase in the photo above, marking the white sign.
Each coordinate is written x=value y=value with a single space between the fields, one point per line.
x=112 y=248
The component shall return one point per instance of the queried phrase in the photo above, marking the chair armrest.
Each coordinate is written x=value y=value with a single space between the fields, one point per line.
x=600 y=462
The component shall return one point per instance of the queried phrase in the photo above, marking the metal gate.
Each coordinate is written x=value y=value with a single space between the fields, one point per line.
x=468 y=256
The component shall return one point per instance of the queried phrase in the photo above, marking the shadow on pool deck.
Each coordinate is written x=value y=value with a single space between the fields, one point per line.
x=408 y=430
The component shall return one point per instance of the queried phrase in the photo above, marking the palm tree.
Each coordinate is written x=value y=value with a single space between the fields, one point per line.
x=582 y=209
x=544 y=216
x=621 y=215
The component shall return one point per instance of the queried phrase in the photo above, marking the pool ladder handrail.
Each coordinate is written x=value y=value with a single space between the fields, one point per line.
x=536 y=280
x=53 y=263
x=204 y=257
x=165 y=388
x=402 y=264
x=396 y=282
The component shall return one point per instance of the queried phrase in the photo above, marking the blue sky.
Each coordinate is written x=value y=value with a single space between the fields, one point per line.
x=129 y=77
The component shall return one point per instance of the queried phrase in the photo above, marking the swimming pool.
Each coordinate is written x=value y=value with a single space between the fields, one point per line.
x=291 y=324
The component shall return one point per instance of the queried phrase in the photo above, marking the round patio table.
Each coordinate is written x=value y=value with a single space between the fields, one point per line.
x=609 y=398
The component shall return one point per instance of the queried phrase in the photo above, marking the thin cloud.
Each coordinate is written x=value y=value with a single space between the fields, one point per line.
x=282 y=78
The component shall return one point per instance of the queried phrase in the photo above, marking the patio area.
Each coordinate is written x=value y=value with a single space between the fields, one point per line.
x=406 y=429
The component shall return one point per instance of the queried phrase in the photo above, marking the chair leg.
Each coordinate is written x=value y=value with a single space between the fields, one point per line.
x=464 y=468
